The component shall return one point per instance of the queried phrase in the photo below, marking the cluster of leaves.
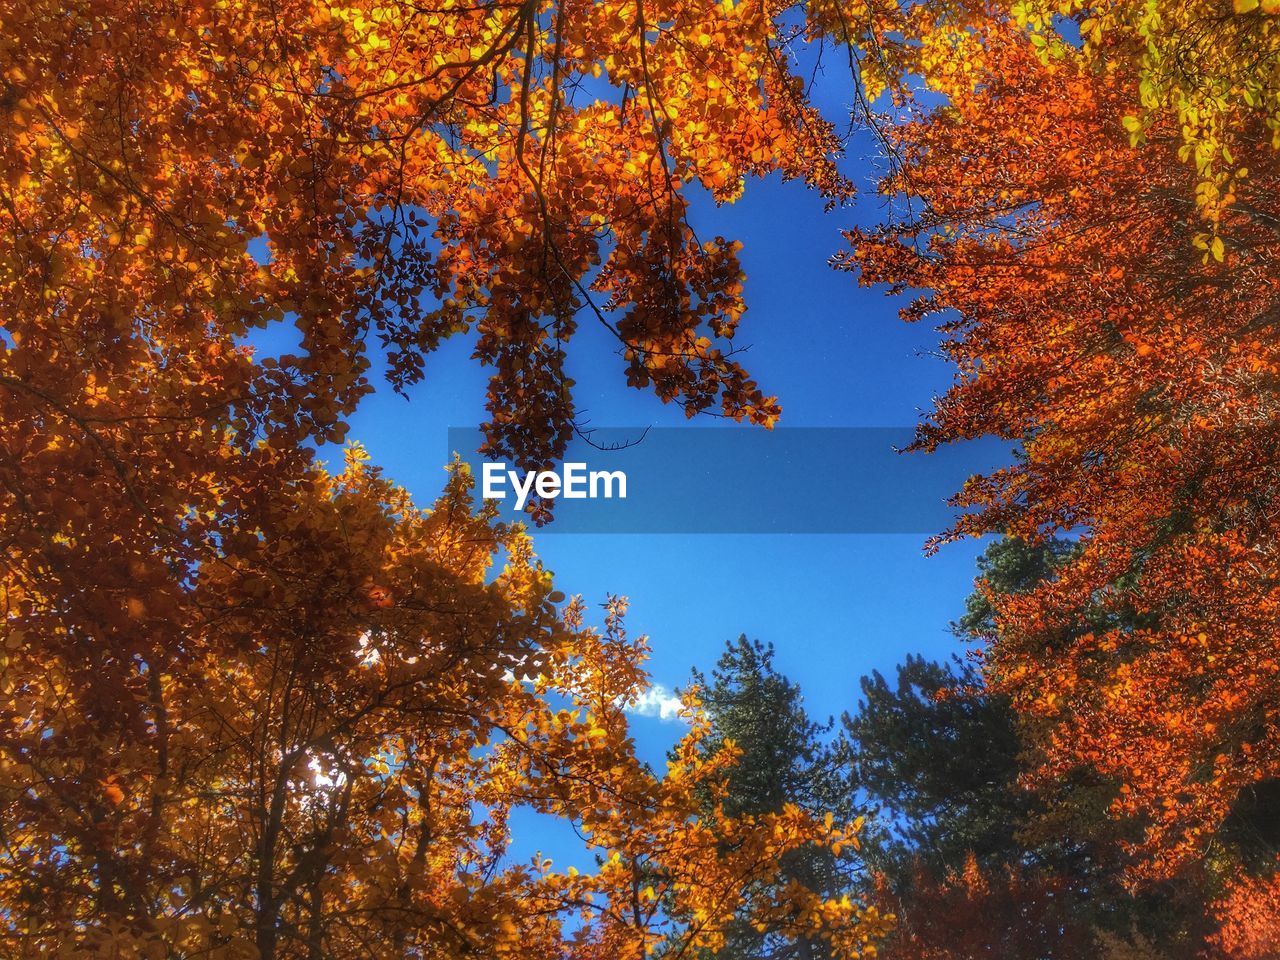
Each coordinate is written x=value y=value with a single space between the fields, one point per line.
x=1213 y=73
x=408 y=174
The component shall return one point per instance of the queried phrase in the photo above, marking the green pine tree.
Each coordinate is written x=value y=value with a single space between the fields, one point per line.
x=787 y=757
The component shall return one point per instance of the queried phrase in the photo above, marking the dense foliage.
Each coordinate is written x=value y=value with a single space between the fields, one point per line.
x=408 y=174
x=254 y=709
x=1133 y=358
x=251 y=708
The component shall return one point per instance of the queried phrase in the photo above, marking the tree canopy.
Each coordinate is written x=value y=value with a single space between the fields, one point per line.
x=251 y=707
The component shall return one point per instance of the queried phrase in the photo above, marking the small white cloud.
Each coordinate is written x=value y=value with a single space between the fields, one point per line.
x=658 y=702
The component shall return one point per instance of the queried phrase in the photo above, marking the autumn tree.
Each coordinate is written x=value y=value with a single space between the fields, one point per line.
x=501 y=171
x=972 y=913
x=1208 y=72
x=1250 y=917
x=943 y=757
x=321 y=763
x=1202 y=70
x=1136 y=369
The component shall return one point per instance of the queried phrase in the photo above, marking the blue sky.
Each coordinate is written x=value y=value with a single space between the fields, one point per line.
x=835 y=606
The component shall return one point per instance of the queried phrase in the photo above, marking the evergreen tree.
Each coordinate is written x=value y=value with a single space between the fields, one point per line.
x=939 y=759
x=937 y=753
x=787 y=758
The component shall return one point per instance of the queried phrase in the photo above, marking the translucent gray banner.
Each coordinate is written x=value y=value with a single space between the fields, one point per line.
x=739 y=480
